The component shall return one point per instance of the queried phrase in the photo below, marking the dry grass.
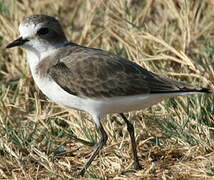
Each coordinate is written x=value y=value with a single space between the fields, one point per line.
x=40 y=140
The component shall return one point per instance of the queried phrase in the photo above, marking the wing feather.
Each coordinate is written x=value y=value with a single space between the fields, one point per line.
x=88 y=72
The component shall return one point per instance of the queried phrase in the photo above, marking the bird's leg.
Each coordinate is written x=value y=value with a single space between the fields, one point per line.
x=102 y=142
x=130 y=129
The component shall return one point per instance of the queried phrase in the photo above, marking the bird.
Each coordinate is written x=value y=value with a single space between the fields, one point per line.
x=90 y=79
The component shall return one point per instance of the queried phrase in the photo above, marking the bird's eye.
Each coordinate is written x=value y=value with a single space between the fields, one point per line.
x=42 y=31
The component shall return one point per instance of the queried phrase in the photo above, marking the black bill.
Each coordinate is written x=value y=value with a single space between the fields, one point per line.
x=18 y=42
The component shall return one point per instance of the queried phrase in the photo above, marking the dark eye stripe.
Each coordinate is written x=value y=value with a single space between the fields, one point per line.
x=42 y=31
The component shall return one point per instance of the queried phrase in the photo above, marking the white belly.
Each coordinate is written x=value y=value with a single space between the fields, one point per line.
x=98 y=106
x=55 y=93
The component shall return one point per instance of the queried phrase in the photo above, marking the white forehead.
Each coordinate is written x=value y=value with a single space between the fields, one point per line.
x=27 y=30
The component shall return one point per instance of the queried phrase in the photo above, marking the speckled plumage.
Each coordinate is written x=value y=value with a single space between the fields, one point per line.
x=94 y=73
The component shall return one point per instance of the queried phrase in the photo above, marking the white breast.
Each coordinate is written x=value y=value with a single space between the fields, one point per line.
x=50 y=88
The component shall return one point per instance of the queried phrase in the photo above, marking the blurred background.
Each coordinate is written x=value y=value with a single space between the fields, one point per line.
x=40 y=140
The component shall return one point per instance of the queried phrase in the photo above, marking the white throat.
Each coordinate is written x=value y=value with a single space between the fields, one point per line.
x=36 y=56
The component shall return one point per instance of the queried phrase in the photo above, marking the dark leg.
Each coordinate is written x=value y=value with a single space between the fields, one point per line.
x=130 y=129
x=100 y=145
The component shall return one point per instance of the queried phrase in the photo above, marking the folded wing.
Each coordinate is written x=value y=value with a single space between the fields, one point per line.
x=95 y=73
